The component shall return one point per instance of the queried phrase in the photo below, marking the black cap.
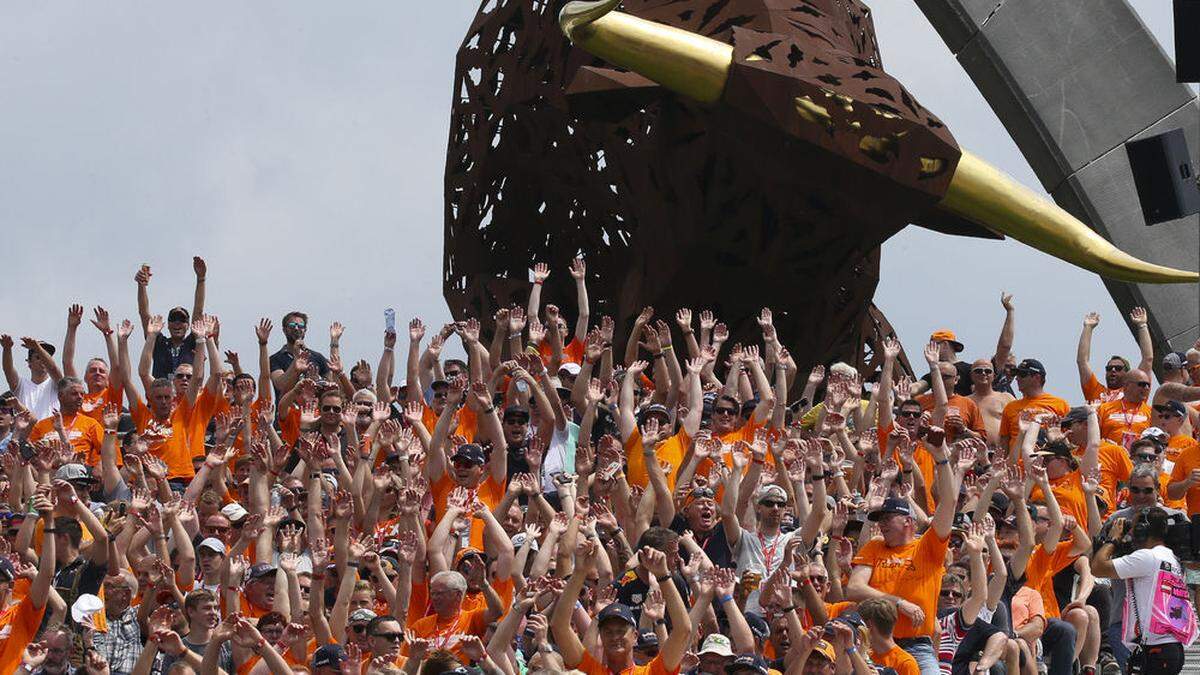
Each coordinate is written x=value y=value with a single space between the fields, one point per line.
x=962 y=521
x=1032 y=366
x=328 y=655
x=652 y=409
x=516 y=411
x=758 y=625
x=7 y=573
x=890 y=505
x=260 y=570
x=1174 y=407
x=48 y=347
x=748 y=662
x=469 y=452
x=646 y=639
x=616 y=611
x=177 y=314
x=1174 y=361
x=1076 y=414
x=1055 y=449
x=439 y=384
x=1000 y=504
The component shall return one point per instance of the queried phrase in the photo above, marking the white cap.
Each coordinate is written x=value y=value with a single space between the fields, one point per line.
x=571 y=368
x=85 y=608
x=213 y=544
x=716 y=643
x=234 y=511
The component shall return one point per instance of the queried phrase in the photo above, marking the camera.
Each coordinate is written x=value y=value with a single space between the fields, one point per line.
x=1179 y=537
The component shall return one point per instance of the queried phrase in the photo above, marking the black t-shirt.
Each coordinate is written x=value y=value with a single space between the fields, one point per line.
x=168 y=355
x=714 y=543
x=77 y=577
x=282 y=360
x=963 y=386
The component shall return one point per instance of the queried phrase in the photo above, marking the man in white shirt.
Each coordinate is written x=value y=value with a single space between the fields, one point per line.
x=1159 y=620
x=37 y=393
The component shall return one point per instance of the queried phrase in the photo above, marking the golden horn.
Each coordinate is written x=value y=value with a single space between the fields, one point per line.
x=985 y=195
x=687 y=64
x=698 y=67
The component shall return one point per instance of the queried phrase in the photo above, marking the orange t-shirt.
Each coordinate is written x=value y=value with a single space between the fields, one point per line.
x=913 y=572
x=1094 y=392
x=168 y=439
x=18 y=625
x=921 y=458
x=591 y=666
x=1068 y=490
x=1115 y=467
x=572 y=351
x=207 y=406
x=418 y=603
x=1122 y=423
x=289 y=425
x=93 y=404
x=449 y=634
x=1164 y=480
x=465 y=423
x=85 y=434
x=967 y=410
x=476 y=600
x=489 y=492
x=670 y=451
x=1042 y=403
x=897 y=659
x=1040 y=571
x=1188 y=459
x=832 y=609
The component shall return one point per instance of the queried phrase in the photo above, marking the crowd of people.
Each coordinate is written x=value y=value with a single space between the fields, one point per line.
x=544 y=505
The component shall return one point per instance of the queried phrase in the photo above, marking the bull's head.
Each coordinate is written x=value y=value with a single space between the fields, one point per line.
x=852 y=127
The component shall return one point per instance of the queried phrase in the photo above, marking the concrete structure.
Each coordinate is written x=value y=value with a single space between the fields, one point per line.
x=1072 y=81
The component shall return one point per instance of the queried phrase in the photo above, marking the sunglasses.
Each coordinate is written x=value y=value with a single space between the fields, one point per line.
x=359 y=628
x=1143 y=385
x=1114 y=369
x=982 y=371
x=911 y=414
x=1141 y=491
x=390 y=637
x=703 y=493
x=1021 y=372
x=1164 y=410
x=331 y=408
x=772 y=504
x=952 y=594
x=726 y=411
x=296 y=325
x=1146 y=458
x=183 y=376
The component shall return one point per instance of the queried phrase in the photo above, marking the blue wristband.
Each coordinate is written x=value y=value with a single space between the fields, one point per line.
x=724 y=599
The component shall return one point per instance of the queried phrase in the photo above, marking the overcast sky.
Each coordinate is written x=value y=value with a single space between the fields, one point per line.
x=299 y=147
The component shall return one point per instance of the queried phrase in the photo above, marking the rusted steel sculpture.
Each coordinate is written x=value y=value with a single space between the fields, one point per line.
x=736 y=153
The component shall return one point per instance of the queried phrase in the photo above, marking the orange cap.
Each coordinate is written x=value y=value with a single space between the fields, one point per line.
x=947 y=336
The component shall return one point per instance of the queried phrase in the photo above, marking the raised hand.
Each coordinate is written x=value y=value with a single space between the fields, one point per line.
x=516 y=320
x=541 y=272
x=154 y=325
x=1006 y=301
x=1091 y=320
x=1138 y=317
x=336 y=329
x=578 y=269
x=817 y=376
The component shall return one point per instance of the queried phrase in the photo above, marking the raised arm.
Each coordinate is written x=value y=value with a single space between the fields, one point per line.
x=38 y=352
x=1005 y=342
x=152 y=327
x=1091 y=453
x=10 y=372
x=263 y=332
x=74 y=317
x=541 y=271
x=39 y=590
x=201 y=270
x=579 y=273
x=1083 y=351
x=1145 y=345
x=766 y=394
x=626 y=420
x=142 y=278
x=977 y=596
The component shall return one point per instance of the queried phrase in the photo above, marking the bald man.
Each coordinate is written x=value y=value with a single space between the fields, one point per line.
x=1123 y=420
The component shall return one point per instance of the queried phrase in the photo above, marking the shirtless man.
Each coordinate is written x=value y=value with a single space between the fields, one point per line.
x=989 y=401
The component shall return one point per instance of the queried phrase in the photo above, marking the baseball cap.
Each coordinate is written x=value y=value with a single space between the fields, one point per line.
x=177 y=314
x=890 y=505
x=654 y=409
x=439 y=384
x=718 y=644
x=328 y=655
x=516 y=411
x=362 y=614
x=758 y=625
x=1055 y=449
x=768 y=491
x=1157 y=435
x=1174 y=361
x=825 y=649
x=261 y=570
x=1076 y=414
x=468 y=551
x=85 y=608
x=1173 y=407
x=1000 y=504
x=749 y=662
x=70 y=472
x=947 y=336
x=1031 y=366
x=469 y=452
x=234 y=511
x=213 y=544
x=616 y=611
x=647 y=638
x=570 y=368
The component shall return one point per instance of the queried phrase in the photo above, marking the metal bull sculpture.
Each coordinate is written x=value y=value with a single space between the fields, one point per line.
x=719 y=153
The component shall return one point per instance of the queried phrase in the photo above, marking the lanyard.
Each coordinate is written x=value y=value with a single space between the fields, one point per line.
x=768 y=554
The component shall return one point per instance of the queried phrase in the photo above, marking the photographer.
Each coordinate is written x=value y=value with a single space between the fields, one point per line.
x=1159 y=620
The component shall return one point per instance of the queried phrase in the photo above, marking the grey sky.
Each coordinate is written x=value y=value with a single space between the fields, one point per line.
x=298 y=146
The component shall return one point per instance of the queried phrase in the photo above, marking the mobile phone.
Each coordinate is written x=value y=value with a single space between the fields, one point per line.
x=121 y=509
x=27 y=451
x=389 y=320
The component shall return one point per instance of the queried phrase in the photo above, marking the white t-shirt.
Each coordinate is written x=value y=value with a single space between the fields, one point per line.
x=762 y=555
x=560 y=456
x=1141 y=569
x=40 y=399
